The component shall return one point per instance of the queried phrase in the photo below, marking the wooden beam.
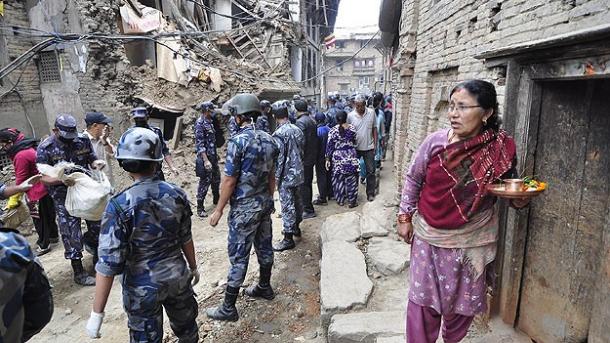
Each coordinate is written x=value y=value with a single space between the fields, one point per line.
x=134 y=8
x=255 y=46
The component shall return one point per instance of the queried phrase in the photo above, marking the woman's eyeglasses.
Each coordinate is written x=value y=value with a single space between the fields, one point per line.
x=460 y=108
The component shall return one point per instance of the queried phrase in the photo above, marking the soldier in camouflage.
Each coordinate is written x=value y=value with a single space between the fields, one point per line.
x=146 y=236
x=233 y=127
x=26 y=303
x=206 y=165
x=67 y=145
x=249 y=185
x=140 y=118
x=262 y=122
x=288 y=175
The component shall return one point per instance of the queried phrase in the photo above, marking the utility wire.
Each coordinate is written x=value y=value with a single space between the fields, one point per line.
x=342 y=62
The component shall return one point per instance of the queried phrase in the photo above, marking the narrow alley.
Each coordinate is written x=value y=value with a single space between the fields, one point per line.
x=324 y=171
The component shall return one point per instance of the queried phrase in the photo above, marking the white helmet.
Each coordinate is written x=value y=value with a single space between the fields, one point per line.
x=139 y=143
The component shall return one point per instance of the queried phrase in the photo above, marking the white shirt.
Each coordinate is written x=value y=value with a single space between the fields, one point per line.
x=364 y=128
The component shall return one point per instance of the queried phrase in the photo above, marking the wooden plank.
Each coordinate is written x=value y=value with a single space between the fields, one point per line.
x=521 y=94
x=177 y=133
x=234 y=46
x=598 y=198
x=256 y=47
x=134 y=8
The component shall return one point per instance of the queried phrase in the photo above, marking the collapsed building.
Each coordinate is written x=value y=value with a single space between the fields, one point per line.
x=75 y=56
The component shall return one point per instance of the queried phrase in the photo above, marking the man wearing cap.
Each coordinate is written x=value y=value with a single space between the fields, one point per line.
x=140 y=118
x=310 y=155
x=98 y=130
x=206 y=164
x=65 y=144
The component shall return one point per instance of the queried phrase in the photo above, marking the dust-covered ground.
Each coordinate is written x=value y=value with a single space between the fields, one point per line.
x=292 y=315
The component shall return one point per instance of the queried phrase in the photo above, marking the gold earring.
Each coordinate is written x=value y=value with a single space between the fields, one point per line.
x=484 y=121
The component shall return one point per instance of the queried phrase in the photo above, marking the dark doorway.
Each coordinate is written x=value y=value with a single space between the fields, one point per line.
x=565 y=239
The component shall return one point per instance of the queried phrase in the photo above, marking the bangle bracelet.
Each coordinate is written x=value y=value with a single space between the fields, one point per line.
x=405 y=218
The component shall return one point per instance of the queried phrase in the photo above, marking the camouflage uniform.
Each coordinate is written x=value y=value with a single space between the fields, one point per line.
x=233 y=127
x=143 y=231
x=26 y=304
x=250 y=158
x=80 y=152
x=205 y=142
x=289 y=173
x=262 y=123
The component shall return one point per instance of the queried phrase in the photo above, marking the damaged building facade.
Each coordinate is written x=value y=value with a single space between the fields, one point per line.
x=550 y=63
x=111 y=55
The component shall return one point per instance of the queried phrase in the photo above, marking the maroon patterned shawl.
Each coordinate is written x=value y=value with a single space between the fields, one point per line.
x=457 y=177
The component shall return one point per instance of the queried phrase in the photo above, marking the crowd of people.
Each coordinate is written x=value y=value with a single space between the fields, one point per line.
x=446 y=211
x=145 y=233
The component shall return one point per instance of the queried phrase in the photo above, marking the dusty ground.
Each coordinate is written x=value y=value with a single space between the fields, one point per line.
x=293 y=315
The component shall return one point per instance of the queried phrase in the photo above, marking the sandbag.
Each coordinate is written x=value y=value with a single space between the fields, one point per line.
x=88 y=197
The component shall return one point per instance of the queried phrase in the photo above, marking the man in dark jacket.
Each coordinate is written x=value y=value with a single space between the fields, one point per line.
x=310 y=155
x=322 y=175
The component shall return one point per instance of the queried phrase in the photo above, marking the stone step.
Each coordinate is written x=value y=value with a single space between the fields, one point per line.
x=341 y=227
x=392 y=339
x=344 y=283
x=375 y=220
x=366 y=327
x=388 y=256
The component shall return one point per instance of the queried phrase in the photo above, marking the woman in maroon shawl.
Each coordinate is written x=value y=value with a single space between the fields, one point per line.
x=449 y=217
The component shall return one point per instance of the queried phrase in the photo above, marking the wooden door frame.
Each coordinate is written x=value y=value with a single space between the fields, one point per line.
x=527 y=66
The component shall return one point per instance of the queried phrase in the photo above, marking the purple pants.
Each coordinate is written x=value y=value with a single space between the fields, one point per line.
x=423 y=324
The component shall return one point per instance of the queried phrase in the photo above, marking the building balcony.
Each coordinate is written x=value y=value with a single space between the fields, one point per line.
x=363 y=71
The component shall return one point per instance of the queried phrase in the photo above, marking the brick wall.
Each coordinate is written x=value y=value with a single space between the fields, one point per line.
x=21 y=108
x=444 y=36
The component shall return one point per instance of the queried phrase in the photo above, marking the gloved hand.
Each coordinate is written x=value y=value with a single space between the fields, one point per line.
x=207 y=165
x=94 y=324
x=194 y=276
x=14 y=201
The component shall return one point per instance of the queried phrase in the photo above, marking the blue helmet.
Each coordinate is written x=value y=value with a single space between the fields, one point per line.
x=138 y=143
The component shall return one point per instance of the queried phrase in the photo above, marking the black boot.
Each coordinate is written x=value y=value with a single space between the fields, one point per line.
x=263 y=289
x=285 y=244
x=227 y=310
x=80 y=276
x=297 y=231
x=200 y=209
x=215 y=194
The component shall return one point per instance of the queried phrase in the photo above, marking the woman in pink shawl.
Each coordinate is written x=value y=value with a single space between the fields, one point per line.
x=449 y=217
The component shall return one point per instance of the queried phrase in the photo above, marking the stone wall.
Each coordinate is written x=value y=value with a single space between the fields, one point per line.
x=438 y=42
